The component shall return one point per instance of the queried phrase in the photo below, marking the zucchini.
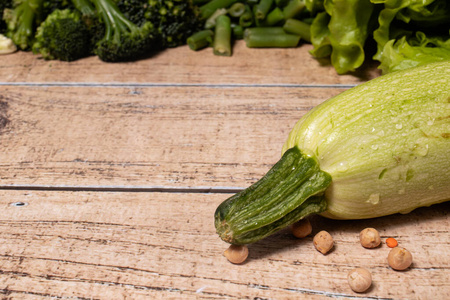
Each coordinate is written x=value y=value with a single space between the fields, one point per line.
x=380 y=148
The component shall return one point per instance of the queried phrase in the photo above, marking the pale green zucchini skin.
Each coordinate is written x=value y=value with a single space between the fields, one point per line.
x=381 y=148
x=385 y=143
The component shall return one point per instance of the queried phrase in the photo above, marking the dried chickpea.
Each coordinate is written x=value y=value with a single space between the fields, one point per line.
x=399 y=258
x=236 y=254
x=301 y=228
x=323 y=242
x=359 y=280
x=369 y=238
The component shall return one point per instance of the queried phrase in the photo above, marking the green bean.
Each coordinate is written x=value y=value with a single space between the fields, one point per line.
x=269 y=37
x=238 y=31
x=262 y=9
x=200 y=39
x=293 y=8
x=209 y=8
x=246 y=19
x=274 y=17
x=222 y=39
x=237 y=9
x=298 y=27
x=211 y=21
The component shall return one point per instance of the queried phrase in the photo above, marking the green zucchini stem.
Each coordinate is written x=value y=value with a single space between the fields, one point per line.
x=290 y=191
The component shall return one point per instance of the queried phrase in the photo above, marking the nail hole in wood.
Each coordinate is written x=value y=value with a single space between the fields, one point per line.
x=19 y=204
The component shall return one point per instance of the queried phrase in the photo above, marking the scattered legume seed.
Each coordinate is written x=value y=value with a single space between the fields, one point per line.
x=323 y=242
x=359 y=280
x=369 y=238
x=399 y=258
x=236 y=254
x=301 y=228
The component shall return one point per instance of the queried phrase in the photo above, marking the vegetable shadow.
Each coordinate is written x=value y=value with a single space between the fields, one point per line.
x=367 y=71
x=284 y=240
x=276 y=243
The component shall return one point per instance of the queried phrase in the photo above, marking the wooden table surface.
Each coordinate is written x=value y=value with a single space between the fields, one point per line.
x=110 y=175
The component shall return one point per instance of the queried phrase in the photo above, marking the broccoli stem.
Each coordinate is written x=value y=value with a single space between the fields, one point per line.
x=84 y=6
x=22 y=21
x=293 y=8
x=269 y=37
x=209 y=8
x=115 y=21
x=200 y=39
x=246 y=19
x=262 y=9
x=222 y=39
x=237 y=9
x=298 y=27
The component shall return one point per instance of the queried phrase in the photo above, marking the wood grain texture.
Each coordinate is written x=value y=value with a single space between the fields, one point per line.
x=184 y=66
x=86 y=147
x=147 y=137
x=109 y=245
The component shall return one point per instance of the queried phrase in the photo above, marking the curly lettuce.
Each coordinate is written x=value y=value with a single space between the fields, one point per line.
x=320 y=36
x=419 y=50
x=405 y=33
x=343 y=34
x=402 y=18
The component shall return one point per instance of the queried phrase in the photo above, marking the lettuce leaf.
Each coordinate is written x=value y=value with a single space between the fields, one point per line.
x=406 y=32
x=404 y=17
x=320 y=36
x=341 y=32
x=419 y=50
x=314 y=6
x=348 y=31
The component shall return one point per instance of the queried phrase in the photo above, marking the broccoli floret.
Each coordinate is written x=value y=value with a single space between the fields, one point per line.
x=94 y=24
x=51 y=5
x=63 y=36
x=22 y=21
x=174 y=20
x=123 y=40
x=134 y=10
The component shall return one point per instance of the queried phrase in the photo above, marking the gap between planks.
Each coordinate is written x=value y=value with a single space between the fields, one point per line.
x=149 y=85
x=149 y=189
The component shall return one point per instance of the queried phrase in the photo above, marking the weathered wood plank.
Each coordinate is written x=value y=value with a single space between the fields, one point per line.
x=146 y=137
x=104 y=245
x=183 y=66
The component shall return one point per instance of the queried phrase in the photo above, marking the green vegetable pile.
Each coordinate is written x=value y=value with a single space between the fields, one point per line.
x=398 y=33
x=114 y=30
